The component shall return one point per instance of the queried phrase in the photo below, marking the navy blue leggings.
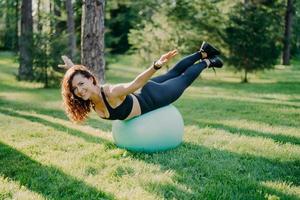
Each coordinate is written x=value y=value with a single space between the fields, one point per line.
x=167 y=88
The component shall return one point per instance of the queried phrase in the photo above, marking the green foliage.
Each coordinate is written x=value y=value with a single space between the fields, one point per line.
x=295 y=50
x=77 y=19
x=182 y=25
x=253 y=37
x=204 y=18
x=156 y=37
x=47 y=56
x=121 y=16
x=118 y=23
x=8 y=24
x=49 y=44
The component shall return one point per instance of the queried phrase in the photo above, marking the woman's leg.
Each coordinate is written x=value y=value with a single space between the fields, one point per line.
x=154 y=95
x=179 y=68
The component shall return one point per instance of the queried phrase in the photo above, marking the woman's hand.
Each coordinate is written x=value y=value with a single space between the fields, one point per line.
x=166 y=57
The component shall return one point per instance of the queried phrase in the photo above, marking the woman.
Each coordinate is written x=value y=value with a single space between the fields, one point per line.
x=80 y=90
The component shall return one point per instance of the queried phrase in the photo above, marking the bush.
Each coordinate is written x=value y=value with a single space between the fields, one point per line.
x=253 y=36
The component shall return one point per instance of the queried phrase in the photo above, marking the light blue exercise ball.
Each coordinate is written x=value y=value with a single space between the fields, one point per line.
x=158 y=130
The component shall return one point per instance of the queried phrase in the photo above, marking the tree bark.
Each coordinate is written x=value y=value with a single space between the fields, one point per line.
x=26 y=41
x=71 y=30
x=58 y=28
x=245 y=79
x=39 y=17
x=92 y=37
x=17 y=26
x=11 y=20
x=287 y=33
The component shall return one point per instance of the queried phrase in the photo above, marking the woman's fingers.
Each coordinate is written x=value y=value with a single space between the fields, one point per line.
x=173 y=53
x=167 y=56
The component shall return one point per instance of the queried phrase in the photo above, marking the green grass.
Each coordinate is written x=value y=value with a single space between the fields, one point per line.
x=242 y=141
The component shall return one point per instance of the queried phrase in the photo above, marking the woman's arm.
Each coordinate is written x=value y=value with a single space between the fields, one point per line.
x=123 y=89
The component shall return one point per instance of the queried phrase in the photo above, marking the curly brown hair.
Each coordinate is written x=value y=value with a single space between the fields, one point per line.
x=76 y=108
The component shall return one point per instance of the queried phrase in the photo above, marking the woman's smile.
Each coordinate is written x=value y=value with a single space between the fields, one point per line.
x=83 y=94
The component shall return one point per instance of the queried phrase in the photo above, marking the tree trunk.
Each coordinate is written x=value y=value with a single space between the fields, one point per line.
x=26 y=41
x=71 y=30
x=39 y=24
x=10 y=36
x=245 y=79
x=7 y=33
x=58 y=28
x=17 y=26
x=92 y=37
x=287 y=33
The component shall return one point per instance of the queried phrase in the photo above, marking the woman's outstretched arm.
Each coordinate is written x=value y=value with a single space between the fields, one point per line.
x=123 y=89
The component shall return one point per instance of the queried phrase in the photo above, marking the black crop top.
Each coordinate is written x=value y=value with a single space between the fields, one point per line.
x=120 y=112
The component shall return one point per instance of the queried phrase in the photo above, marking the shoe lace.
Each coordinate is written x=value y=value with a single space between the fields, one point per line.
x=214 y=71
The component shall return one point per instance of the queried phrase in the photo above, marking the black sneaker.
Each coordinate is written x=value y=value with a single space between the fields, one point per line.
x=215 y=61
x=209 y=49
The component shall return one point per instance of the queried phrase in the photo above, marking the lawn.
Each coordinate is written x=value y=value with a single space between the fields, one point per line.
x=241 y=141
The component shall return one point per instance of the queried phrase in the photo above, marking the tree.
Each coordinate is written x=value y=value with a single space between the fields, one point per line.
x=120 y=17
x=287 y=32
x=26 y=41
x=157 y=36
x=295 y=43
x=182 y=25
x=50 y=41
x=92 y=37
x=9 y=10
x=198 y=21
x=39 y=16
x=77 y=6
x=71 y=30
x=253 y=37
x=119 y=21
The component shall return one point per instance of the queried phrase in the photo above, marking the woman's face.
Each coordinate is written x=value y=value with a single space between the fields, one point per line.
x=82 y=86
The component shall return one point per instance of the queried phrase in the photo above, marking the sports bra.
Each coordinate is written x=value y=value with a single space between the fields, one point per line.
x=120 y=112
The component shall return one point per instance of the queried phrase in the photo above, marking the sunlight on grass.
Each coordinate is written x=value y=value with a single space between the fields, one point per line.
x=262 y=127
x=258 y=146
x=84 y=159
x=209 y=92
x=226 y=75
x=282 y=186
x=26 y=97
x=241 y=141
x=66 y=123
x=13 y=190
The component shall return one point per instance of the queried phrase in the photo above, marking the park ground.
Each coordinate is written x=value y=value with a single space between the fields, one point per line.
x=241 y=141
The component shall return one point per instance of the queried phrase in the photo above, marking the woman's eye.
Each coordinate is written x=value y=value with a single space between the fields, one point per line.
x=80 y=83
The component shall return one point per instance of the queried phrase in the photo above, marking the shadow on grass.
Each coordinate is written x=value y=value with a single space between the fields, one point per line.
x=225 y=109
x=6 y=87
x=59 y=127
x=15 y=105
x=234 y=109
x=281 y=138
x=217 y=174
x=280 y=87
x=48 y=181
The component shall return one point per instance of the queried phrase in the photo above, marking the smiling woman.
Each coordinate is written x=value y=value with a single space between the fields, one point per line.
x=77 y=108
x=81 y=91
x=81 y=86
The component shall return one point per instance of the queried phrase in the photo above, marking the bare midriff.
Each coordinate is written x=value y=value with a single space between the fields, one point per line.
x=135 y=111
x=136 y=108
